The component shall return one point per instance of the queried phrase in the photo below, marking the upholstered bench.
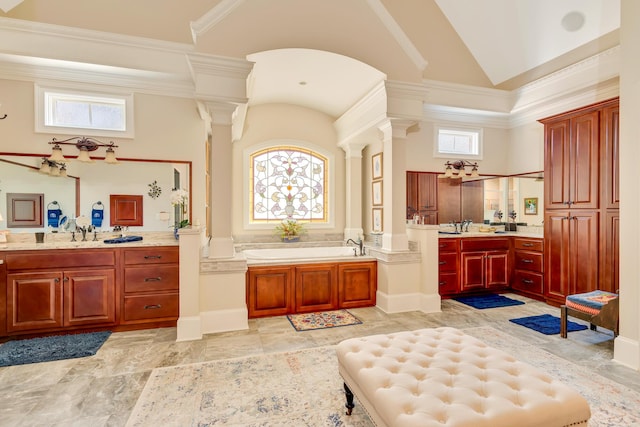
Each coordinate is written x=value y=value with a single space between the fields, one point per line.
x=599 y=308
x=443 y=377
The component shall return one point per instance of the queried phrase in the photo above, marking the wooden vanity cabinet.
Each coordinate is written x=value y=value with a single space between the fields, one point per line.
x=49 y=290
x=150 y=284
x=269 y=291
x=484 y=264
x=528 y=266
x=316 y=288
x=448 y=266
x=357 y=284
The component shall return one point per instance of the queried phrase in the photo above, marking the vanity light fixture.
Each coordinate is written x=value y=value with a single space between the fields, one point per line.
x=457 y=169
x=53 y=168
x=85 y=145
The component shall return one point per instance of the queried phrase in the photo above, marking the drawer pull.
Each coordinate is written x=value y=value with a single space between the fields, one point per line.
x=152 y=279
x=152 y=306
x=442 y=283
x=527 y=261
x=527 y=245
x=152 y=256
x=442 y=262
x=527 y=281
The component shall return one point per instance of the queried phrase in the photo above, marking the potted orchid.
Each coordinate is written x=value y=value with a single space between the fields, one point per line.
x=179 y=200
x=290 y=230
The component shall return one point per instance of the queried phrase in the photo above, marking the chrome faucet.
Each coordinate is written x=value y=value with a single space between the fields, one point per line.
x=359 y=243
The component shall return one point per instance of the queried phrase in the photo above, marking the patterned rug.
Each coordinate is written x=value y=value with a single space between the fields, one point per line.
x=303 y=388
x=322 y=319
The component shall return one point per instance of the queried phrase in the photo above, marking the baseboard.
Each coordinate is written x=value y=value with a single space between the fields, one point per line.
x=189 y=328
x=430 y=303
x=398 y=303
x=224 y=320
x=627 y=352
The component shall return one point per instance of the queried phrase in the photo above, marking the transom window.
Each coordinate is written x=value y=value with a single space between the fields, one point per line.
x=95 y=114
x=288 y=182
x=465 y=143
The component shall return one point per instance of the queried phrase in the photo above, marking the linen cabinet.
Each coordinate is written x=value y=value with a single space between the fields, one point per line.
x=581 y=200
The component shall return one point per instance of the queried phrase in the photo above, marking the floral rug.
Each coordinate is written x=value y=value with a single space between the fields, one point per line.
x=322 y=319
x=303 y=388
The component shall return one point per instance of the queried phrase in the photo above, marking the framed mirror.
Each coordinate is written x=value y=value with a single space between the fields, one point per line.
x=90 y=183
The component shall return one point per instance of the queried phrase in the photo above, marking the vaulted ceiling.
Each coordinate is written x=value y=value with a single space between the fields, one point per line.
x=326 y=54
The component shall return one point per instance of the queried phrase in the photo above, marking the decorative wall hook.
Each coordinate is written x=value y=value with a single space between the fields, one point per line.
x=3 y=117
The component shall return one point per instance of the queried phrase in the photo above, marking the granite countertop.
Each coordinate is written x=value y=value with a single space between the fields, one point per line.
x=26 y=241
x=473 y=234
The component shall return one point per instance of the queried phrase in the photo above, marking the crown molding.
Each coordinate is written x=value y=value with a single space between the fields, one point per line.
x=210 y=19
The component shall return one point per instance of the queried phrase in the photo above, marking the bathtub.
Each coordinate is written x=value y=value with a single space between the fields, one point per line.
x=300 y=255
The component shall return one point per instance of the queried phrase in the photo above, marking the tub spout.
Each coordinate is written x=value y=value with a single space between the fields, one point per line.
x=359 y=243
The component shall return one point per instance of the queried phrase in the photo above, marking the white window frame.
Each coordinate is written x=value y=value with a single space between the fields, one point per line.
x=474 y=133
x=45 y=95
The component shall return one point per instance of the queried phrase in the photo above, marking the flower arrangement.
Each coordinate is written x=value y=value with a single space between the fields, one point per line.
x=289 y=229
x=179 y=199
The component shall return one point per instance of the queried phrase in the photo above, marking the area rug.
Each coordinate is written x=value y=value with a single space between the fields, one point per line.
x=322 y=319
x=547 y=324
x=47 y=349
x=303 y=388
x=488 y=301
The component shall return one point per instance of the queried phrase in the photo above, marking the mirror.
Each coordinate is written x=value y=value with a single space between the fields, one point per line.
x=522 y=194
x=89 y=183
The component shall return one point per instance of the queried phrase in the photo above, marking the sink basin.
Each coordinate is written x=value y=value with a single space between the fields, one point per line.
x=448 y=232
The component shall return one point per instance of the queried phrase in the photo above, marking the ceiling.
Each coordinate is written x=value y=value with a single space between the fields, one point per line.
x=327 y=54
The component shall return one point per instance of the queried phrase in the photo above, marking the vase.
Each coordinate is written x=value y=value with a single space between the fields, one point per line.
x=289 y=239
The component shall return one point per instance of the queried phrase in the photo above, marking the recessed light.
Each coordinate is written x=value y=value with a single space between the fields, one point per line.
x=573 y=21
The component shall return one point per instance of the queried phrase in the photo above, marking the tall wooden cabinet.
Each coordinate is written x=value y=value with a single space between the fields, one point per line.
x=581 y=200
x=422 y=196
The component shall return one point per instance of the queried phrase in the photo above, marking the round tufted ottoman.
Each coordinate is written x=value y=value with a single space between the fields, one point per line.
x=443 y=377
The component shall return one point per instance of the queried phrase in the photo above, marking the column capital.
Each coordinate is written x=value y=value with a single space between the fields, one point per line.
x=353 y=149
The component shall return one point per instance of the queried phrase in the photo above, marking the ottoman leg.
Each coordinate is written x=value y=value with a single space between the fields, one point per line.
x=563 y=321
x=349 y=405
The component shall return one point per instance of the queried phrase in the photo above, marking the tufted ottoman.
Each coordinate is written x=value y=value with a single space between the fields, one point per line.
x=443 y=377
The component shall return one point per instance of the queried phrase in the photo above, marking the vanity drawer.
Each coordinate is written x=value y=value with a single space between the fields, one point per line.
x=448 y=261
x=448 y=244
x=528 y=244
x=60 y=258
x=150 y=307
x=152 y=255
x=525 y=260
x=476 y=244
x=156 y=278
x=448 y=283
x=528 y=281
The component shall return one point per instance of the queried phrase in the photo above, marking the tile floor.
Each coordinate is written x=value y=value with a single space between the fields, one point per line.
x=103 y=389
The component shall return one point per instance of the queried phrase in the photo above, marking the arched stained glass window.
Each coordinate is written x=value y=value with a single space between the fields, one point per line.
x=288 y=182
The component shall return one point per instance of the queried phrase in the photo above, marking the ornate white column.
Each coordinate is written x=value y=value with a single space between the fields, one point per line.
x=221 y=175
x=353 y=189
x=393 y=133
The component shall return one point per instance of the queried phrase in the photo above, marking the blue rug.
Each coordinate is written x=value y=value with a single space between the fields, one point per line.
x=547 y=324
x=59 y=347
x=488 y=301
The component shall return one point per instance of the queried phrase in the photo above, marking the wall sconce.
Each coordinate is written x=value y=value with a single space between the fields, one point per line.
x=53 y=168
x=458 y=169
x=84 y=145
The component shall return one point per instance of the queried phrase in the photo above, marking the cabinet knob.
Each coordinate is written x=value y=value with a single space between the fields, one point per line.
x=527 y=281
x=152 y=306
x=527 y=261
x=527 y=245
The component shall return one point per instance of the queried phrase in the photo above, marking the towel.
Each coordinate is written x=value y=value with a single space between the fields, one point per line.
x=97 y=215
x=53 y=217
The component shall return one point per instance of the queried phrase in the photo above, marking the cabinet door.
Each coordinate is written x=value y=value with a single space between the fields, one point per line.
x=89 y=297
x=412 y=194
x=357 y=284
x=497 y=269
x=584 y=161
x=557 y=254
x=473 y=270
x=427 y=192
x=34 y=301
x=556 y=168
x=609 y=146
x=269 y=291
x=584 y=234
x=316 y=288
x=610 y=252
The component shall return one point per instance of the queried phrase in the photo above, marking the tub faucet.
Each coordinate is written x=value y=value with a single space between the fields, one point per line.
x=359 y=243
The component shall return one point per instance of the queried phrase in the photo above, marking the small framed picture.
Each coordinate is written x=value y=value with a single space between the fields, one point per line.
x=376 y=166
x=531 y=206
x=376 y=220
x=376 y=193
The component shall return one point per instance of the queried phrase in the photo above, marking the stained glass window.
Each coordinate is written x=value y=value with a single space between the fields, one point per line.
x=288 y=182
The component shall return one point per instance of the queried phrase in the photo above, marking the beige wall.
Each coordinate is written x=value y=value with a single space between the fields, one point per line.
x=283 y=123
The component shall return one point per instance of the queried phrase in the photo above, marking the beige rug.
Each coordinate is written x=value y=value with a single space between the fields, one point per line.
x=303 y=388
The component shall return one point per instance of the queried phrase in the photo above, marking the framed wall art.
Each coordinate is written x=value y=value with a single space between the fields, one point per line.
x=376 y=166
x=531 y=206
x=376 y=193
x=376 y=220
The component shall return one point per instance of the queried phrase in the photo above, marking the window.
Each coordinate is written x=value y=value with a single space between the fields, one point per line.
x=68 y=111
x=462 y=143
x=288 y=182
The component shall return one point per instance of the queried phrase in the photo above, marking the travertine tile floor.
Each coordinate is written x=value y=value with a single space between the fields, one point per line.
x=103 y=389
